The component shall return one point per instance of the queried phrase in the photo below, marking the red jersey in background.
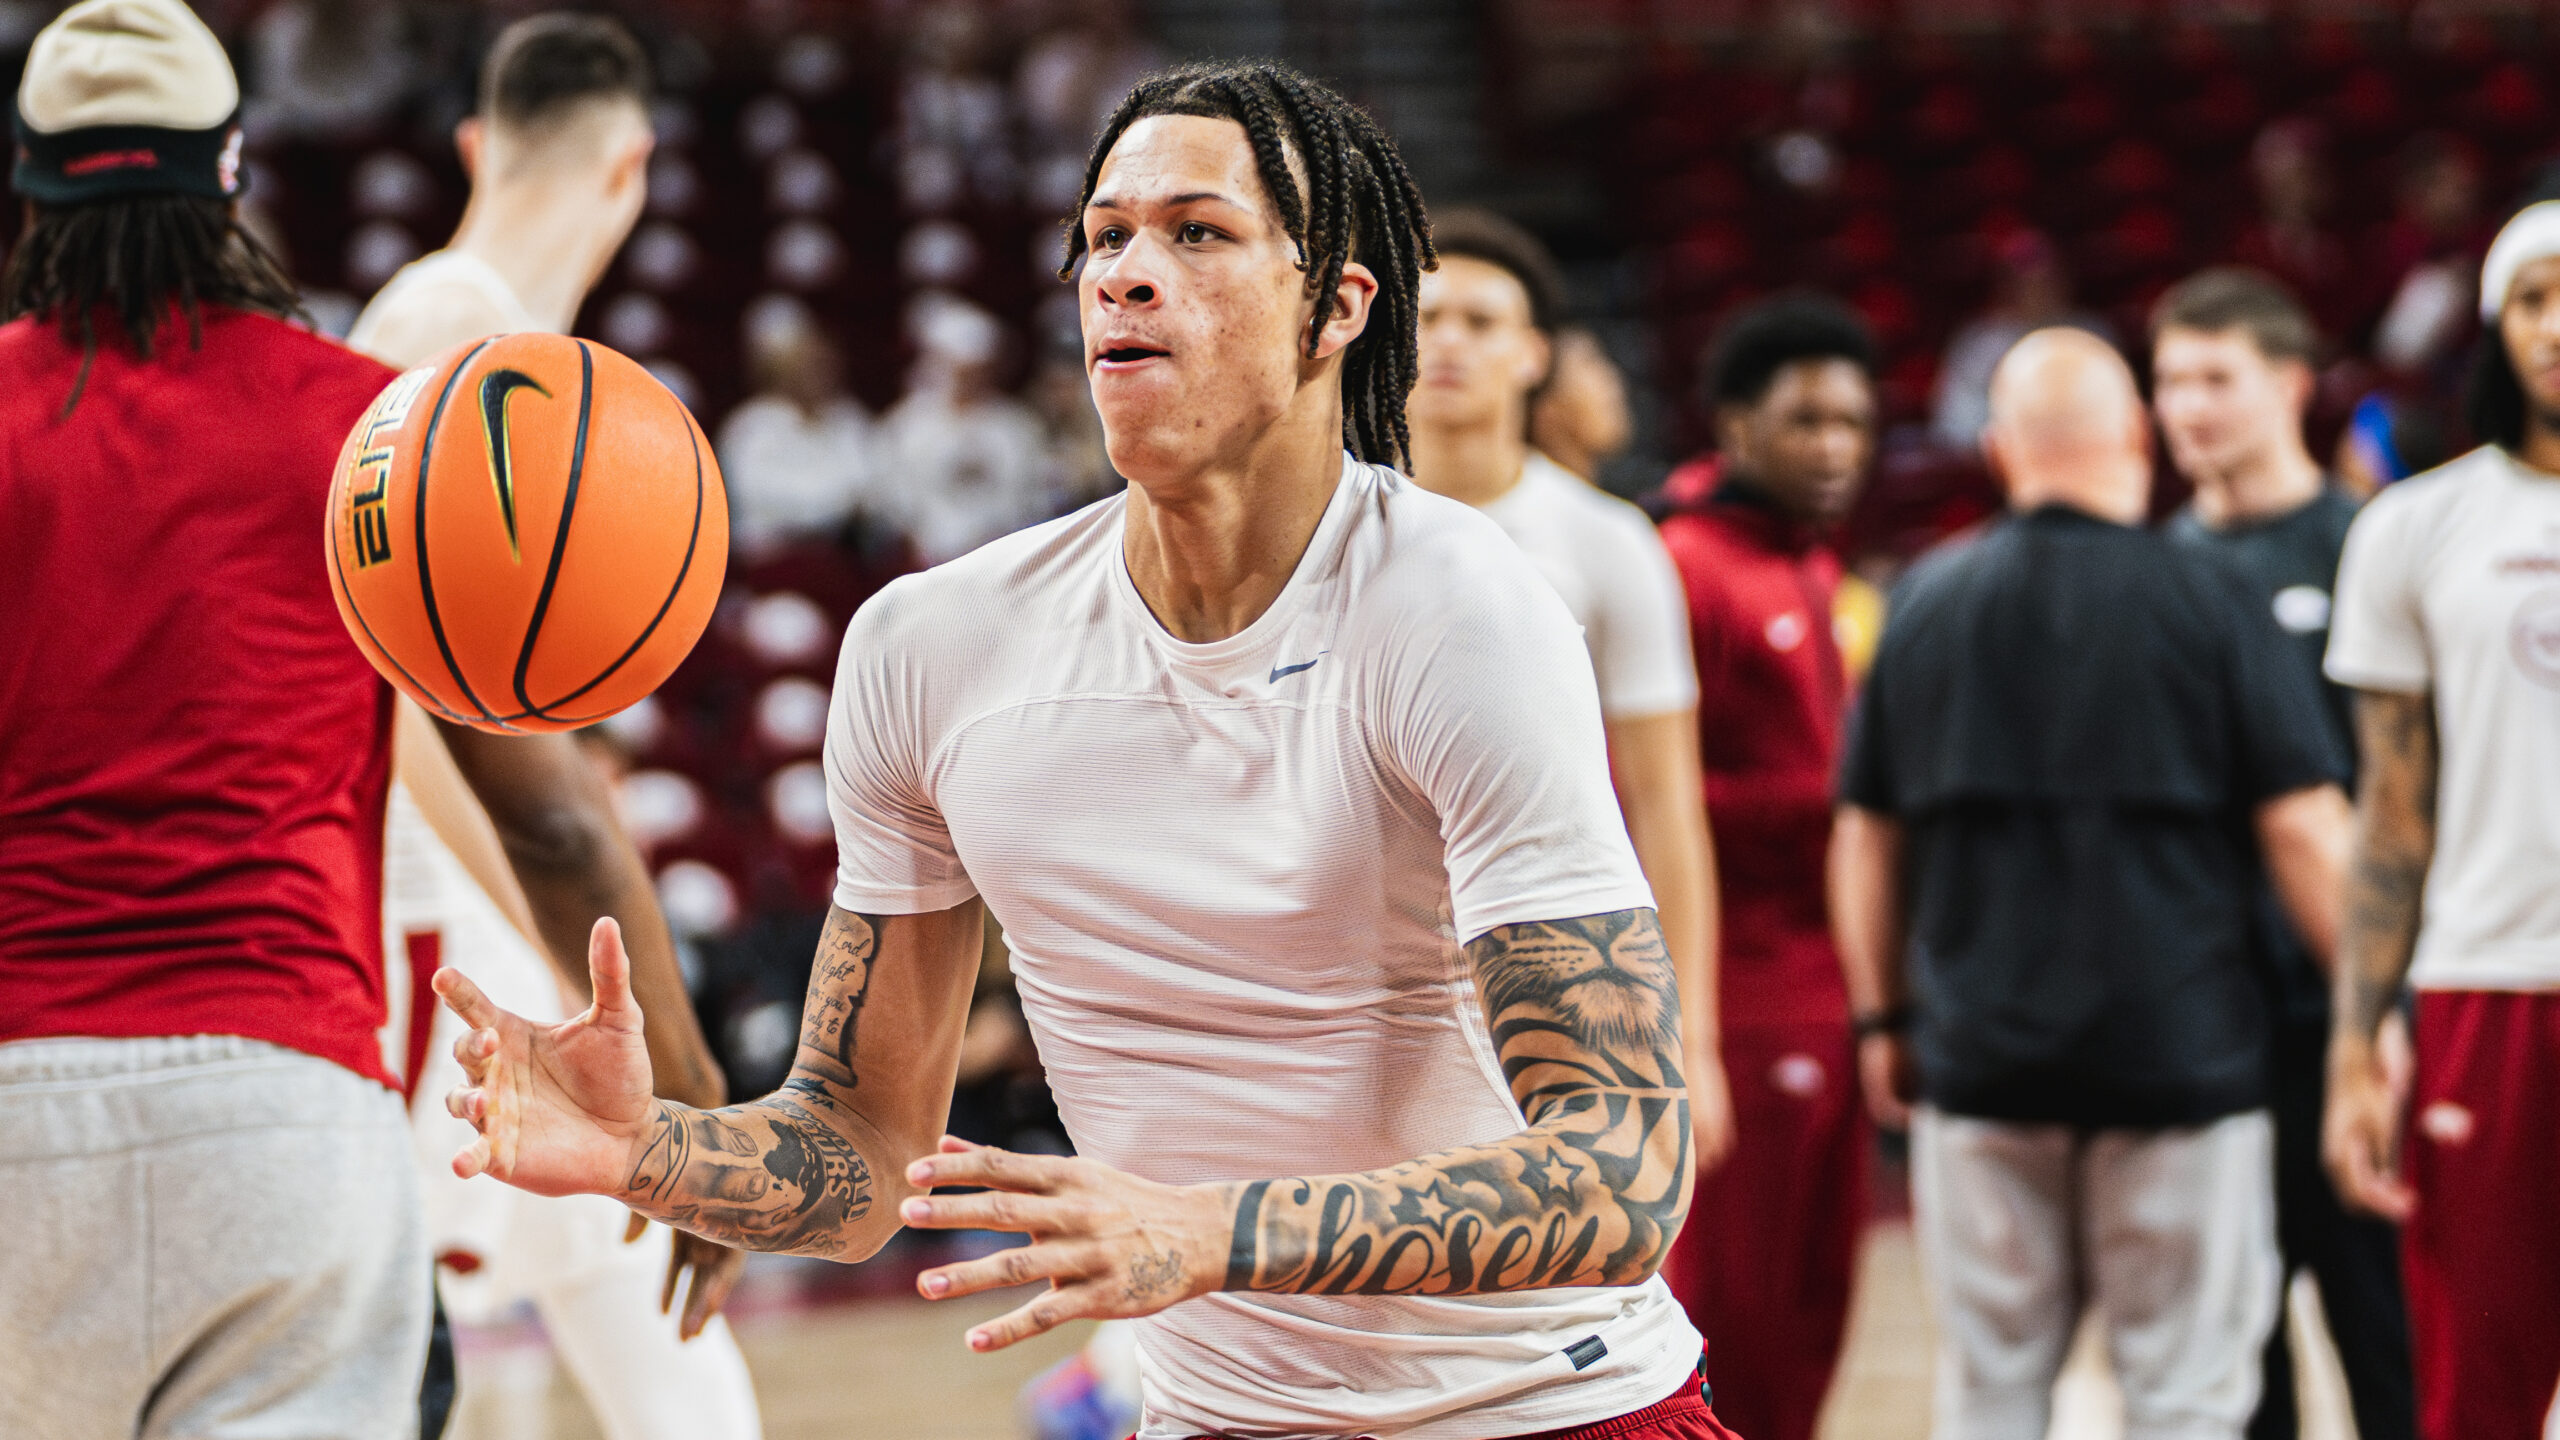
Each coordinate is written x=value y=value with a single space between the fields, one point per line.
x=1771 y=694
x=193 y=755
x=1765 y=1262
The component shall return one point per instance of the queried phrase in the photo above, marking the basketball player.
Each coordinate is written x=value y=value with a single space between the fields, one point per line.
x=1766 y=1263
x=1295 y=808
x=2231 y=375
x=2448 y=627
x=557 y=157
x=1487 y=345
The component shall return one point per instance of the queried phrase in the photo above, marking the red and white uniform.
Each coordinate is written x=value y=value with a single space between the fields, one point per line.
x=2450 y=584
x=1237 y=878
x=1765 y=1262
x=192 y=770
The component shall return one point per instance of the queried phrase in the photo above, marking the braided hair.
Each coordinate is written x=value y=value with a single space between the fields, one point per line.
x=1360 y=204
x=135 y=260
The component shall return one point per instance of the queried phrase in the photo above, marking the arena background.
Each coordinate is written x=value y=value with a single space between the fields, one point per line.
x=1927 y=162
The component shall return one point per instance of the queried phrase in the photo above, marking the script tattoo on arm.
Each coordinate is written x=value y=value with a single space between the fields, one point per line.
x=1585 y=1016
x=782 y=1173
x=2395 y=841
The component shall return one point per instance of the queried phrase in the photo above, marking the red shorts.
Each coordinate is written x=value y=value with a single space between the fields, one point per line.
x=1683 y=1416
x=2482 y=1253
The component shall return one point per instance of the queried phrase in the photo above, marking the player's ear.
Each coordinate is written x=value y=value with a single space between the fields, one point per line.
x=631 y=160
x=1351 y=301
x=469 y=135
x=1538 y=364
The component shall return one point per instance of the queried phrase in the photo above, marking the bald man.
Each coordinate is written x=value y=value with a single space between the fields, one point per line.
x=2079 y=745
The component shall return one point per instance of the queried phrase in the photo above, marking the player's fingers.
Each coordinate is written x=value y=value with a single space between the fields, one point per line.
x=713 y=1280
x=465 y=999
x=473 y=1052
x=465 y=1102
x=1043 y=1314
x=675 y=1275
x=987 y=1165
x=472 y=1159
x=635 y=1228
x=990 y=1210
x=954 y=1145
x=1005 y=1269
x=609 y=971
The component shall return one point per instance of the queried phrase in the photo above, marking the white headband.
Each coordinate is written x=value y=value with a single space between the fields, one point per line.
x=2534 y=234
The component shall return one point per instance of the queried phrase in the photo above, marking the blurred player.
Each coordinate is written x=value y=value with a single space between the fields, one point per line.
x=1579 y=418
x=1486 y=346
x=2448 y=626
x=1294 y=803
x=1765 y=1264
x=557 y=157
x=2231 y=377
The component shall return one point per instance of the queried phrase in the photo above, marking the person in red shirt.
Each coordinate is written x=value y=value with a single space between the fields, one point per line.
x=207 y=1158
x=1764 y=1263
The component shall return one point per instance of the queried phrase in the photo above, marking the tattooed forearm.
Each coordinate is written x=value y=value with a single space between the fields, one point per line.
x=1585 y=1017
x=2395 y=842
x=782 y=1173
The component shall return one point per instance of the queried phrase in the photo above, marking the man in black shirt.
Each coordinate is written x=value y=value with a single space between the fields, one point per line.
x=2076 y=744
x=2231 y=375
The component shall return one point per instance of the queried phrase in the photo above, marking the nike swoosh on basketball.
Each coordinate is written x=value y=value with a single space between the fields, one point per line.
x=496 y=389
x=1282 y=672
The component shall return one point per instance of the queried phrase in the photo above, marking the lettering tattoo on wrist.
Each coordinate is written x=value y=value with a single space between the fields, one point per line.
x=1585 y=1017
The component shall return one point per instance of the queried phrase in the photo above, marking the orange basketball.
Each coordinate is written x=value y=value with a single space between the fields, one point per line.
x=527 y=533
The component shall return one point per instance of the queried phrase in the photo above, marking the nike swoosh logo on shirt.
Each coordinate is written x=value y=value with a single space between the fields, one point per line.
x=1282 y=672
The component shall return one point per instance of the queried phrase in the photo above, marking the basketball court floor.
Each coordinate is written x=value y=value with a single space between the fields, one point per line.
x=893 y=1368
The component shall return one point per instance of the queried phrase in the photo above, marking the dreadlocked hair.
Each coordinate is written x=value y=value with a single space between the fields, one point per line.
x=135 y=257
x=1360 y=204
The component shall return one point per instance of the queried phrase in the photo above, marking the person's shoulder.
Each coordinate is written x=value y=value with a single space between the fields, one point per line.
x=2452 y=484
x=1595 y=516
x=309 y=355
x=1002 y=590
x=1417 y=541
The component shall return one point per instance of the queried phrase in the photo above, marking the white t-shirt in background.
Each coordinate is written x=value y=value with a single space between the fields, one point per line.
x=1236 y=878
x=1606 y=559
x=792 y=475
x=2451 y=583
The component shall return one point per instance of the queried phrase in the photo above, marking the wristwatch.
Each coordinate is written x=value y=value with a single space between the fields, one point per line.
x=1892 y=1020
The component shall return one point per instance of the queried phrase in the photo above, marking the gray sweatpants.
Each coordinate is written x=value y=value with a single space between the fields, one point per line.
x=2170 y=1234
x=205 y=1238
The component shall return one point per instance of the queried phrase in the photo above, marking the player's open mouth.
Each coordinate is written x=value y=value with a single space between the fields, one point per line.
x=1130 y=354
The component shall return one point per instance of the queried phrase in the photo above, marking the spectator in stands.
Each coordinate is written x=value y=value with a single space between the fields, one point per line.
x=1764 y=1263
x=1580 y=419
x=2231 y=380
x=2428 y=256
x=2388 y=439
x=328 y=68
x=2031 y=290
x=2043 y=877
x=962 y=462
x=1065 y=87
x=2291 y=238
x=797 y=455
x=955 y=132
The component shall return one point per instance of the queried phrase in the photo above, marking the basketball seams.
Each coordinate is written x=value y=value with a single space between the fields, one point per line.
x=560 y=537
x=426 y=575
x=347 y=594
x=693 y=540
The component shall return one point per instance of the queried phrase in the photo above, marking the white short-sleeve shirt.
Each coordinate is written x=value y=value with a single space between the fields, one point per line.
x=1236 y=878
x=1607 y=561
x=2451 y=583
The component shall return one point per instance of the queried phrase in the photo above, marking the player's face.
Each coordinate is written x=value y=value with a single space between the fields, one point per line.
x=2530 y=325
x=1195 y=312
x=2223 y=405
x=1809 y=438
x=1479 y=354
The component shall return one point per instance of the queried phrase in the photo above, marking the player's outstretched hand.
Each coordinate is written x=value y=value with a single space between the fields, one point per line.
x=561 y=1109
x=1110 y=1244
x=2360 y=1134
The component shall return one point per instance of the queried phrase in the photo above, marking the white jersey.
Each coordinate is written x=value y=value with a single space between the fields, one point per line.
x=2451 y=583
x=1606 y=559
x=1236 y=878
x=417 y=283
